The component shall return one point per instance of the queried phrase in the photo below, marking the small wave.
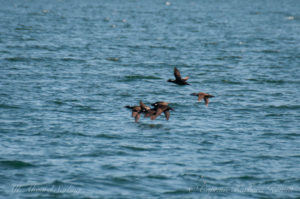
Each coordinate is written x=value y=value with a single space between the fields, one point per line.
x=115 y=59
x=281 y=181
x=37 y=13
x=27 y=59
x=225 y=81
x=244 y=110
x=243 y=177
x=137 y=77
x=295 y=156
x=158 y=176
x=205 y=142
x=17 y=164
x=269 y=157
x=225 y=162
x=125 y=94
x=70 y=59
x=136 y=148
x=23 y=27
x=269 y=134
x=292 y=134
x=163 y=47
x=107 y=136
x=231 y=82
x=233 y=57
x=178 y=191
x=109 y=167
x=42 y=47
x=123 y=179
x=275 y=115
x=84 y=108
x=272 y=81
x=284 y=107
x=16 y=59
x=101 y=153
x=269 y=51
x=6 y=106
x=4 y=51
x=56 y=102
x=76 y=134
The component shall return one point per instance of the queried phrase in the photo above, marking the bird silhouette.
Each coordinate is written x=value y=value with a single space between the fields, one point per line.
x=204 y=96
x=137 y=110
x=178 y=80
x=159 y=108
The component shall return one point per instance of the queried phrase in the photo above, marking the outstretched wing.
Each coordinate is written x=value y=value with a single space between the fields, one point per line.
x=150 y=112
x=137 y=117
x=143 y=106
x=177 y=73
x=167 y=114
x=158 y=113
x=206 y=101
x=200 y=97
x=186 y=78
x=134 y=113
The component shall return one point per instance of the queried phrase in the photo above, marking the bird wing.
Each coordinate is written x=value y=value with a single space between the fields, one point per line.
x=167 y=114
x=150 y=113
x=143 y=106
x=134 y=113
x=200 y=97
x=158 y=112
x=186 y=78
x=137 y=117
x=177 y=73
x=206 y=101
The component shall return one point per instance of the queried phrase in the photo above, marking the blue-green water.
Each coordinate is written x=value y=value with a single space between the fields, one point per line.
x=68 y=68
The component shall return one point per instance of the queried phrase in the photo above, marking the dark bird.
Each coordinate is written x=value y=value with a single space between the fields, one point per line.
x=159 y=108
x=144 y=108
x=204 y=96
x=178 y=80
x=150 y=112
x=137 y=110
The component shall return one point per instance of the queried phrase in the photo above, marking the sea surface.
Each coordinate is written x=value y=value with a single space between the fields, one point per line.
x=68 y=68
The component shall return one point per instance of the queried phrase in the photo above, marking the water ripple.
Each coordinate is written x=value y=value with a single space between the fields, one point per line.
x=15 y=164
x=67 y=71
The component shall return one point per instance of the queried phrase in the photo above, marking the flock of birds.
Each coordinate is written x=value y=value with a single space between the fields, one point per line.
x=163 y=107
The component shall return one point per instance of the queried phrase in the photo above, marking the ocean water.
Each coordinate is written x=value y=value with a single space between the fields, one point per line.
x=68 y=68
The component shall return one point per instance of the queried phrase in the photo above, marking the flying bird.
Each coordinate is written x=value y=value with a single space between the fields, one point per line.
x=137 y=110
x=204 y=96
x=159 y=108
x=178 y=80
